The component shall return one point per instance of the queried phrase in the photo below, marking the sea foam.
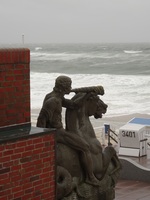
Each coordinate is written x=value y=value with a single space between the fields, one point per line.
x=123 y=94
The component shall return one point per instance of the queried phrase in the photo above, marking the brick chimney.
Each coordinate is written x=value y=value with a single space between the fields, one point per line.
x=14 y=86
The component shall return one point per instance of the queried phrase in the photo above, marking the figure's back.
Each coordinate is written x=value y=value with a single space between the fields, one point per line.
x=48 y=96
x=50 y=114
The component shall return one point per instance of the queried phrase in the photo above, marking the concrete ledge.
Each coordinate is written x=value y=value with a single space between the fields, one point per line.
x=133 y=171
x=21 y=131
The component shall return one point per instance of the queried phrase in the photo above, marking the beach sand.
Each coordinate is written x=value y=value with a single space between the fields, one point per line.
x=98 y=124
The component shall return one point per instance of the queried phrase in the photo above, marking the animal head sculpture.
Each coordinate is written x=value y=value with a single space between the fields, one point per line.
x=94 y=105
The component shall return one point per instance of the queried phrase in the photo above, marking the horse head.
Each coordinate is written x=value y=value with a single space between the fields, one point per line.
x=95 y=106
x=91 y=100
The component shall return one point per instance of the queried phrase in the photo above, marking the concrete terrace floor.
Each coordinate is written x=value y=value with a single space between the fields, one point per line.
x=132 y=190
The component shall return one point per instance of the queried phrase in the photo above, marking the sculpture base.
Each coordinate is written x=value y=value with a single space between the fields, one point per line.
x=85 y=191
x=108 y=195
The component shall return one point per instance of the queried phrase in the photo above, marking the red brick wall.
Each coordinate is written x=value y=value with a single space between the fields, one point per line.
x=27 y=168
x=14 y=86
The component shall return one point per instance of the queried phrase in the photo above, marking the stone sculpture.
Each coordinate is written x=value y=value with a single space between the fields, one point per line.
x=84 y=169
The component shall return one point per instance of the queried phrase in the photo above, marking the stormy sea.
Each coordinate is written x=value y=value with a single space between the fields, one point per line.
x=122 y=69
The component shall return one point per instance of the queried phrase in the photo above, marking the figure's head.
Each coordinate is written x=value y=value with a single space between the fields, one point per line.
x=63 y=84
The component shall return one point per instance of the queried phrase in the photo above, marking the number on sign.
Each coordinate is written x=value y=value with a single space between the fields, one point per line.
x=128 y=134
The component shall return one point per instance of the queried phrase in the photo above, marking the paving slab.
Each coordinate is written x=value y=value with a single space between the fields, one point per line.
x=132 y=190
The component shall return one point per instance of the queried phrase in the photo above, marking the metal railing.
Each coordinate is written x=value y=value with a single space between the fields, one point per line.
x=111 y=135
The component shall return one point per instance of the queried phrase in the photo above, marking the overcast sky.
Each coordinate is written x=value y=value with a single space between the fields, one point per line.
x=73 y=21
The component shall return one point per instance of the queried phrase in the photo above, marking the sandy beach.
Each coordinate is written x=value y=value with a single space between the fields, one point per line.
x=98 y=124
x=116 y=121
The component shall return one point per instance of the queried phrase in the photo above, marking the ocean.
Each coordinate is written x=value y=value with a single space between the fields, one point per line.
x=122 y=69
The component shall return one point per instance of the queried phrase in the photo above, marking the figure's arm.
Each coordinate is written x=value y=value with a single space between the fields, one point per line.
x=68 y=103
x=77 y=103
